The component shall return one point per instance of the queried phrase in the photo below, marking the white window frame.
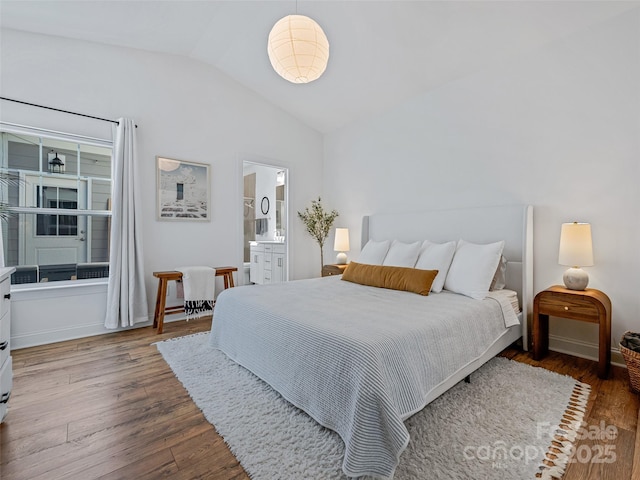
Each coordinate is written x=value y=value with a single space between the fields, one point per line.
x=19 y=129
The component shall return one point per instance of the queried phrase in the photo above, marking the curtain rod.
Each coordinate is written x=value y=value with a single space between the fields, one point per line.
x=60 y=110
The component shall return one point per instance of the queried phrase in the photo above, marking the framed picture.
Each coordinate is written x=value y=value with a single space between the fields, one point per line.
x=183 y=190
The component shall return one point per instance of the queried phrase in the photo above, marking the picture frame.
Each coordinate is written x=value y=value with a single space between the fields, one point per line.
x=183 y=190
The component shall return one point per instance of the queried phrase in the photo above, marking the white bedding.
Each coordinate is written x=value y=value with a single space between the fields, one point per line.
x=357 y=359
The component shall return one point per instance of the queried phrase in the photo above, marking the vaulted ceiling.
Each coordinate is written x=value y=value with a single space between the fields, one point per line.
x=382 y=52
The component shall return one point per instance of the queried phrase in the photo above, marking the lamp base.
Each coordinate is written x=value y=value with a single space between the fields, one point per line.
x=341 y=258
x=575 y=279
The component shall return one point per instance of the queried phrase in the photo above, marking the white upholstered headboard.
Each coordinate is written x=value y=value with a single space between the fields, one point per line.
x=513 y=224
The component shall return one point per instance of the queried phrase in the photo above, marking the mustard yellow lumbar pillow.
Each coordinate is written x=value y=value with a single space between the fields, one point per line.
x=395 y=278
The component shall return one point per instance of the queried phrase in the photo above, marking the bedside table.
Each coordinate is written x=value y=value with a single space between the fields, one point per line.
x=329 y=270
x=588 y=305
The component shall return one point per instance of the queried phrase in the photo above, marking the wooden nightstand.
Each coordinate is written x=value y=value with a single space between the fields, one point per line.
x=588 y=305
x=329 y=270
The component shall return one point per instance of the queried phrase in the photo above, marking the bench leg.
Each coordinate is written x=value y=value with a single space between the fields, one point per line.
x=158 y=297
x=228 y=280
x=158 y=317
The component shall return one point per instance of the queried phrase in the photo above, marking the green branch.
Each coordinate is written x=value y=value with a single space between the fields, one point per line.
x=318 y=223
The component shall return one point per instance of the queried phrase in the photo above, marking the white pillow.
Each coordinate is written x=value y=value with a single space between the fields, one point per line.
x=374 y=252
x=402 y=254
x=473 y=268
x=436 y=256
x=500 y=278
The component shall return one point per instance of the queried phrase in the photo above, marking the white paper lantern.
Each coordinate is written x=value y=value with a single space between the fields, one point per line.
x=298 y=49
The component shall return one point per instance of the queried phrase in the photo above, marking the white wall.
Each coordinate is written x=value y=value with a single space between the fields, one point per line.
x=56 y=312
x=558 y=128
x=184 y=110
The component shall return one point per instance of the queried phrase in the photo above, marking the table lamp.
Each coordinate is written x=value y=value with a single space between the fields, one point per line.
x=341 y=245
x=576 y=251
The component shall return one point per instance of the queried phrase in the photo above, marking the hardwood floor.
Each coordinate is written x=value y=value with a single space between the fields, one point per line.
x=109 y=407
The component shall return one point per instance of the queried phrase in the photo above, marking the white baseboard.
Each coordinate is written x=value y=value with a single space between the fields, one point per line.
x=579 y=348
x=59 y=311
x=62 y=334
x=44 y=337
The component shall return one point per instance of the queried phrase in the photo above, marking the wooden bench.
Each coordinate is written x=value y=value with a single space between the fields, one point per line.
x=161 y=298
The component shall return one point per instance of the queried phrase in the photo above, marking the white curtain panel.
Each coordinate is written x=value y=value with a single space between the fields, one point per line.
x=126 y=295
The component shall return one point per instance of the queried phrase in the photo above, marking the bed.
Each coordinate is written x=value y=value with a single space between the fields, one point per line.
x=360 y=360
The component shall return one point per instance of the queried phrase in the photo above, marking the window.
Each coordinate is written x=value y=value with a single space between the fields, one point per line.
x=58 y=190
x=58 y=225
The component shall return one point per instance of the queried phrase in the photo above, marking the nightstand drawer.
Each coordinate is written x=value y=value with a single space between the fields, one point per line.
x=567 y=306
x=329 y=270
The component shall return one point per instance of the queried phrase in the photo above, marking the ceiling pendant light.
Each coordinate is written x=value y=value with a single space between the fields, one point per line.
x=298 y=49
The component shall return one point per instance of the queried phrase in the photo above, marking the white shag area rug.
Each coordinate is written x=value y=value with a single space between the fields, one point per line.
x=513 y=421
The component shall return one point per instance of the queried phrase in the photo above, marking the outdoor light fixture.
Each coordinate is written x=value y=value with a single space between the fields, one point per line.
x=56 y=164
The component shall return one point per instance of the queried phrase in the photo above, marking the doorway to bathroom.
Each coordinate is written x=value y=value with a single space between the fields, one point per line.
x=265 y=222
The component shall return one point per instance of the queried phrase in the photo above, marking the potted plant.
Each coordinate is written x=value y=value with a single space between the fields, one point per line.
x=318 y=223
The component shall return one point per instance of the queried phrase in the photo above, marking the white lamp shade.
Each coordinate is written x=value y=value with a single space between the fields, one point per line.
x=298 y=49
x=341 y=243
x=576 y=249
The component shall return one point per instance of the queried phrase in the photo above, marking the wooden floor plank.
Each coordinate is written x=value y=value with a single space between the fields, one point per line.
x=90 y=422
x=156 y=466
x=22 y=445
x=603 y=458
x=109 y=407
x=54 y=407
x=105 y=452
x=636 y=454
x=615 y=403
x=195 y=448
x=34 y=355
x=25 y=386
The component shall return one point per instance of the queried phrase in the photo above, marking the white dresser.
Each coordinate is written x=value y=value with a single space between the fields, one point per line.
x=6 y=373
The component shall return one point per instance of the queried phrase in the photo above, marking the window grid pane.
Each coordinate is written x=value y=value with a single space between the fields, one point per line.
x=56 y=175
